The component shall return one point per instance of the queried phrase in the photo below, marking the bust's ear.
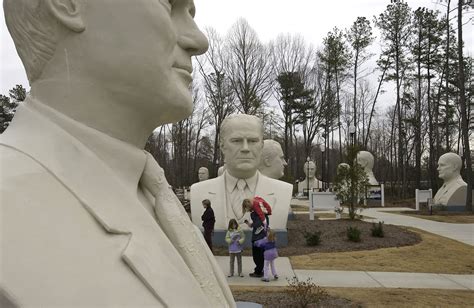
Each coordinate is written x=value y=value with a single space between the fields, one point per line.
x=267 y=162
x=68 y=14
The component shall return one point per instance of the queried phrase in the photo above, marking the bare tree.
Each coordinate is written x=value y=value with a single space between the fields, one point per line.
x=247 y=67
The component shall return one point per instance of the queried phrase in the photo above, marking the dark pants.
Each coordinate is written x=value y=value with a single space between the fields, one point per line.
x=258 y=259
x=208 y=238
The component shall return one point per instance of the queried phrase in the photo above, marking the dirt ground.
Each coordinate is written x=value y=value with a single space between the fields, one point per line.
x=333 y=237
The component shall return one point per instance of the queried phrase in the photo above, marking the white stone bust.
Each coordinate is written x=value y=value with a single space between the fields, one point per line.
x=88 y=218
x=203 y=174
x=241 y=142
x=272 y=162
x=309 y=169
x=366 y=160
x=453 y=191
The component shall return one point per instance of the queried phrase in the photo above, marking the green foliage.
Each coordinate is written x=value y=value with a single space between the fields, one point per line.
x=353 y=234
x=312 y=238
x=8 y=105
x=304 y=293
x=350 y=183
x=377 y=229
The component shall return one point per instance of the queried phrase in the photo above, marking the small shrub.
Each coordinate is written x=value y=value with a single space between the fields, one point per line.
x=377 y=229
x=304 y=293
x=312 y=239
x=353 y=234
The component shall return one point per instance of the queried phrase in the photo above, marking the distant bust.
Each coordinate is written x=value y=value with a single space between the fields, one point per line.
x=453 y=191
x=272 y=162
x=366 y=160
x=309 y=169
x=241 y=142
x=203 y=174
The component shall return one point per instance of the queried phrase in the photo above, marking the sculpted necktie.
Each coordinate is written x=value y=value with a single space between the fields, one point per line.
x=174 y=221
x=238 y=197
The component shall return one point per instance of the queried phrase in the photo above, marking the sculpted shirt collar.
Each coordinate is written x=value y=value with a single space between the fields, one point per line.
x=125 y=160
x=231 y=182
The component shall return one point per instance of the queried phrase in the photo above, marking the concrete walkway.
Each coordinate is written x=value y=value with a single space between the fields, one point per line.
x=349 y=279
x=460 y=232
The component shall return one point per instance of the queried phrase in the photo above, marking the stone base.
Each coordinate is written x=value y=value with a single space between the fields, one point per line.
x=218 y=239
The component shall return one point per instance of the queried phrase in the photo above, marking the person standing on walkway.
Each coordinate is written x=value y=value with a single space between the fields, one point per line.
x=235 y=237
x=208 y=221
x=270 y=254
x=258 y=233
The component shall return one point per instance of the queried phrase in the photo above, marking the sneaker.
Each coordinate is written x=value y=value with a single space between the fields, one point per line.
x=276 y=277
x=241 y=275
x=266 y=279
x=230 y=275
x=256 y=275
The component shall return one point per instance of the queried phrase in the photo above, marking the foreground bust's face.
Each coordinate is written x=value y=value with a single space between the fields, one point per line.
x=143 y=49
x=242 y=146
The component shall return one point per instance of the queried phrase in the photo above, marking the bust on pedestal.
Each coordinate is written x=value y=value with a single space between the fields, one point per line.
x=366 y=160
x=453 y=192
x=310 y=172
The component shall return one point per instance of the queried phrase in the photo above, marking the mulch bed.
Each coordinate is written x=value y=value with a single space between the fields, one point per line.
x=283 y=300
x=333 y=237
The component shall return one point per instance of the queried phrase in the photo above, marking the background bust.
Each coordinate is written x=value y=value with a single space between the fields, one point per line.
x=309 y=169
x=272 y=162
x=453 y=191
x=203 y=174
x=366 y=160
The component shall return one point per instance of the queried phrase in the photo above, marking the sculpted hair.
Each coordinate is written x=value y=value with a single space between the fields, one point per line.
x=34 y=32
x=454 y=160
x=367 y=157
x=237 y=118
x=270 y=149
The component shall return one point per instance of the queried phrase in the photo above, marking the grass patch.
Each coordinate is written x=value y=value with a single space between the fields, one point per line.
x=381 y=297
x=435 y=254
x=387 y=297
x=446 y=217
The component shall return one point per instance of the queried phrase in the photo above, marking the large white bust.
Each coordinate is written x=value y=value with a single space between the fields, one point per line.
x=88 y=219
x=453 y=191
x=309 y=169
x=241 y=142
x=366 y=160
x=272 y=162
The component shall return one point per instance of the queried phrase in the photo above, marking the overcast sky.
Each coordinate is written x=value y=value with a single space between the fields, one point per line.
x=313 y=19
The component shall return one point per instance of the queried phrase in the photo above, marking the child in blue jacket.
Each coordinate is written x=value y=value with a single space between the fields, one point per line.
x=270 y=254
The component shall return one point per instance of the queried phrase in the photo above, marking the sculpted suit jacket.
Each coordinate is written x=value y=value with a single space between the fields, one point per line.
x=453 y=193
x=71 y=236
x=277 y=193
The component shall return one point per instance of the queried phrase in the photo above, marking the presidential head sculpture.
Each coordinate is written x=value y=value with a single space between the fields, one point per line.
x=203 y=174
x=309 y=169
x=449 y=166
x=241 y=142
x=366 y=160
x=272 y=162
x=108 y=64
